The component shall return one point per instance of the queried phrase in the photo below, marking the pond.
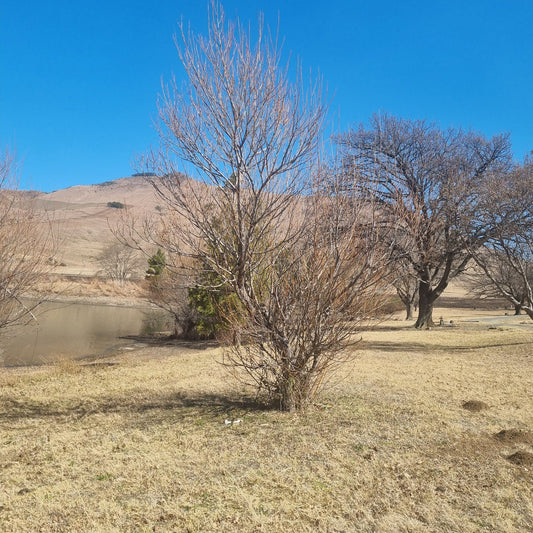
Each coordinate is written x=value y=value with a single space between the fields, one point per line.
x=74 y=331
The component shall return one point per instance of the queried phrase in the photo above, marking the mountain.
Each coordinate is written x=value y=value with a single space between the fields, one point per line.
x=84 y=214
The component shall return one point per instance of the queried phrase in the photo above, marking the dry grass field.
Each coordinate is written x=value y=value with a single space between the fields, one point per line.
x=93 y=289
x=140 y=442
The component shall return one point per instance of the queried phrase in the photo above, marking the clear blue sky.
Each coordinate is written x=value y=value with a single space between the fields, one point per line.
x=79 y=79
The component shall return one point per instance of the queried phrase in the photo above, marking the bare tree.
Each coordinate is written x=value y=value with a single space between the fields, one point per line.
x=119 y=262
x=26 y=248
x=253 y=219
x=506 y=260
x=314 y=295
x=406 y=284
x=481 y=286
x=427 y=182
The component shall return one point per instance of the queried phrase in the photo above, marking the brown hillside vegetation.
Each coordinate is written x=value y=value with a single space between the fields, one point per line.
x=160 y=440
x=84 y=218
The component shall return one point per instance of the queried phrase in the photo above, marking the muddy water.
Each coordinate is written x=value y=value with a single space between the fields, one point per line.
x=75 y=331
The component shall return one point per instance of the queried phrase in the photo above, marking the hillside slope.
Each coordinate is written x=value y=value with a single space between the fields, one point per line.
x=84 y=219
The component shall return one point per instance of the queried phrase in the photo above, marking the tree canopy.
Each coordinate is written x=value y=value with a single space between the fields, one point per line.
x=428 y=184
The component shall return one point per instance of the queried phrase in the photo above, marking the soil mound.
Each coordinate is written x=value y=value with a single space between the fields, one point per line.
x=515 y=435
x=521 y=458
x=475 y=405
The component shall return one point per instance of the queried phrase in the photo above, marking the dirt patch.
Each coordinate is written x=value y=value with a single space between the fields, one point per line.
x=475 y=406
x=515 y=435
x=521 y=458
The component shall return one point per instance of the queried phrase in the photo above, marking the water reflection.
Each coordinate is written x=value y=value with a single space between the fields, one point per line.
x=75 y=331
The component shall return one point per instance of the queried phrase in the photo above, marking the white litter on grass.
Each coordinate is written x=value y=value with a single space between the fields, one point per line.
x=232 y=422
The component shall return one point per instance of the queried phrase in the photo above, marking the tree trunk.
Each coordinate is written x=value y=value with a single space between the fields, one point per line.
x=293 y=391
x=426 y=299
x=425 y=316
x=288 y=400
x=517 y=309
x=408 y=311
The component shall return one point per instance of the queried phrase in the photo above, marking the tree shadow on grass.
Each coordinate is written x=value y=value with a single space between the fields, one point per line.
x=176 y=406
x=404 y=326
x=413 y=347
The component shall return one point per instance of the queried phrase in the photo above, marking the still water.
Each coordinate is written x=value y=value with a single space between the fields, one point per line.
x=66 y=330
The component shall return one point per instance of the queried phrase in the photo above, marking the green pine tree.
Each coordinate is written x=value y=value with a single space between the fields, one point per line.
x=156 y=265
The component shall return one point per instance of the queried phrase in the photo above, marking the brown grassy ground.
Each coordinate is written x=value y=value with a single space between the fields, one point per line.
x=142 y=445
x=94 y=289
